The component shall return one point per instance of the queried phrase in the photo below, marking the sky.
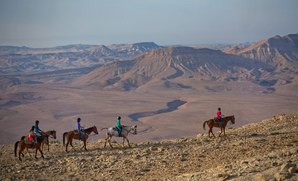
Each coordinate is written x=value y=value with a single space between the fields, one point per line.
x=47 y=23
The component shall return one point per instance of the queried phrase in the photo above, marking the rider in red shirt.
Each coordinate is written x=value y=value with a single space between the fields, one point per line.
x=218 y=114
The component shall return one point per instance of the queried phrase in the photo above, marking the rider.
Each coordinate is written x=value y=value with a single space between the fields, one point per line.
x=118 y=125
x=218 y=115
x=80 y=129
x=37 y=131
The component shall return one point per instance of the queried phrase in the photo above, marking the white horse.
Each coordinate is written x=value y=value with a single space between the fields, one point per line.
x=125 y=131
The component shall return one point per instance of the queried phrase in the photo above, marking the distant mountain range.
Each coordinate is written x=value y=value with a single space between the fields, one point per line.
x=270 y=62
x=172 y=63
x=16 y=60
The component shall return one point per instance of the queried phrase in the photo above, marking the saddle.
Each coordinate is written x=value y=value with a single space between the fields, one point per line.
x=29 y=140
x=77 y=133
x=216 y=120
x=119 y=132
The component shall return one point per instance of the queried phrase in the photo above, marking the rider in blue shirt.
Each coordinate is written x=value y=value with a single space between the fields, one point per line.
x=80 y=129
x=37 y=131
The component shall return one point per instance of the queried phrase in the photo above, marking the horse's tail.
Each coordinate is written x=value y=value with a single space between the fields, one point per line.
x=16 y=147
x=104 y=128
x=204 y=125
x=64 y=134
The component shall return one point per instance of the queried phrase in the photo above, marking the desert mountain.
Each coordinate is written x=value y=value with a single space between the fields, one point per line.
x=280 y=52
x=127 y=50
x=166 y=64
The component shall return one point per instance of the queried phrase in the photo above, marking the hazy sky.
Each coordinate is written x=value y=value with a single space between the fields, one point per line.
x=44 y=23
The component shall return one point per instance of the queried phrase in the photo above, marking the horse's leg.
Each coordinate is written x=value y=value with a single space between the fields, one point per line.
x=209 y=132
x=48 y=143
x=70 y=141
x=220 y=131
x=128 y=142
x=212 y=132
x=40 y=152
x=85 y=144
x=36 y=151
x=224 y=130
x=106 y=141
x=20 y=152
x=67 y=144
x=123 y=141
x=110 y=141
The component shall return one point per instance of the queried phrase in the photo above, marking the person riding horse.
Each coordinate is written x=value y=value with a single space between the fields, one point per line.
x=118 y=125
x=218 y=117
x=37 y=131
x=80 y=128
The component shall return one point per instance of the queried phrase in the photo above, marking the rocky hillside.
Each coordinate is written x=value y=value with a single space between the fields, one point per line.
x=267 y=150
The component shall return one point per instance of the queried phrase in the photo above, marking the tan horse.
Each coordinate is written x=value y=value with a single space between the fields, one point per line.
x=125 y=131
x=222 y=125
x=75 y=135
x=23 y=145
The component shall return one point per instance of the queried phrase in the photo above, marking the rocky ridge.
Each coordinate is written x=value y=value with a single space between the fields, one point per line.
x=267 y=150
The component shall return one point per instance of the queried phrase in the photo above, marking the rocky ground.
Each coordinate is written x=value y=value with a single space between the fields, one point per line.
x=267 y=150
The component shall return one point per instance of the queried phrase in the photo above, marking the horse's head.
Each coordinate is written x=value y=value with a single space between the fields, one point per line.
x=233 y=119
x=134 y=129
x=94 y=129
x=53 y=133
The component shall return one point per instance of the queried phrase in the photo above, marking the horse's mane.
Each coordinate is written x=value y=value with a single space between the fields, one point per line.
x=89 y=129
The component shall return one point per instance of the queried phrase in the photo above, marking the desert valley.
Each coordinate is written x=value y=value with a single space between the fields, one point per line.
x=168 y=91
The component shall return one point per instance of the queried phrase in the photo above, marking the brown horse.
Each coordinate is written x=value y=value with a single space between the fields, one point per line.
x=22 y=144
x=46 y=138
x=222 y=125
x=75 y=135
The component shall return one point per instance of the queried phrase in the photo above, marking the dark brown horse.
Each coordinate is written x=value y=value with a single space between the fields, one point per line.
x=48 y=134
x=24 y=144
x=222 y=125
x=75 y=135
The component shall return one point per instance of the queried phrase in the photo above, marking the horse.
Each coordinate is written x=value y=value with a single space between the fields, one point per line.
x=75 y=135
x=125 y=131
x=222 y=125
x=22 y=144
x=46 y=139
